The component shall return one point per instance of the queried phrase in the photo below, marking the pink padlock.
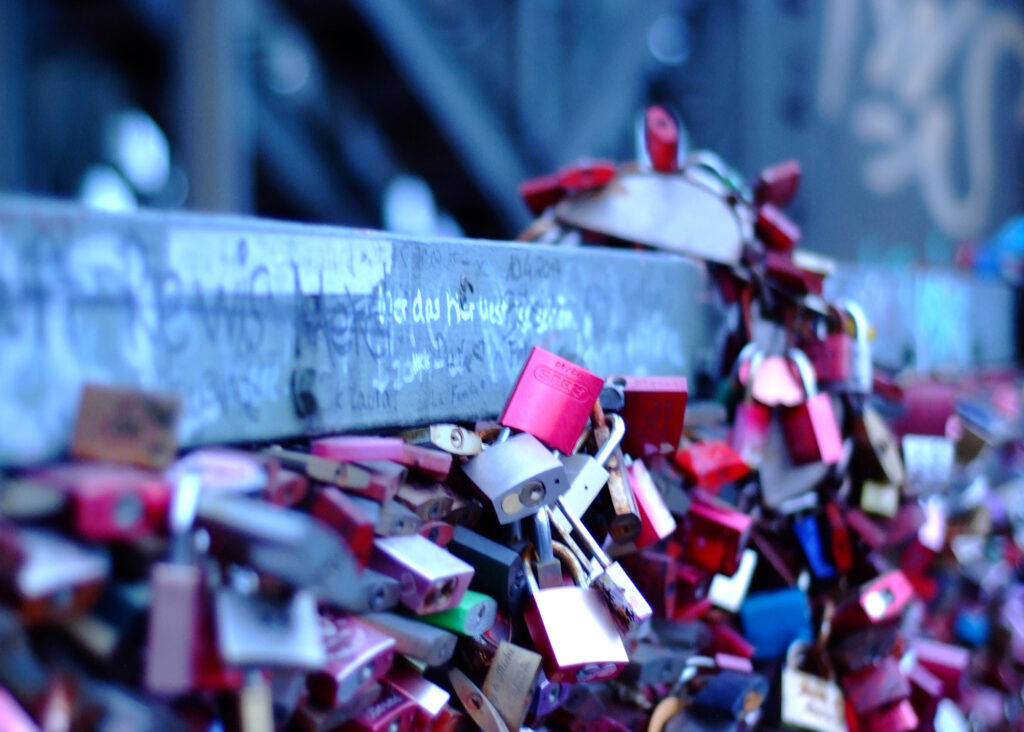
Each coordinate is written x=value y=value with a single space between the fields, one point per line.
x=750 y=425
x=812 y=432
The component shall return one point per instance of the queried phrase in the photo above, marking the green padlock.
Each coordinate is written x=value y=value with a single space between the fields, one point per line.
x=474 y=615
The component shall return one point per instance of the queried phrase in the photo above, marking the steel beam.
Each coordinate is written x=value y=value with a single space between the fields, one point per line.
x=241 y=316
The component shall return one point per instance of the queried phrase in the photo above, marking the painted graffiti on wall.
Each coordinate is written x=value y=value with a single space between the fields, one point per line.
x=924 y=97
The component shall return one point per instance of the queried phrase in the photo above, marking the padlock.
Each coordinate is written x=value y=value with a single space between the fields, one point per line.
x=656 y=521
x=47 y=577
x=692 y=583
x=425 y=461
x=827 y=347
x=392 y=712
x=661 y=139
x=251 y=707
x=572 y=628
x=710 y=464
x=773 y=382
x=778 y=184
x=517 y=477
x=784 y=485
x=476 y=704
x=926 y=691
x=811 y=430
x=728 y=593
x=287 y=488
x=655 y=576
x=879 y=499
x=840 y=549
x=875 y=687
x=928 y=461
x=26 y=500
x=776 y=230
x=123 y=425
x=731 y=695
x=340 y=475
x=261 y=630
x=808 y=535
x=171 y=656
x=438 y=532
x=389 y=518
x=799 y=271
x=810 y=702
x=499 y=571
x=429 y=501
x=653 y=665
x=713 y=535
x=587 y=474
x=447 y=437
x=432 y=578
x=751 y=421
x=548 y=697
x=430 y=699
x=375 y=592
x=630 y=611
x=876 y=449
x=429 y=644
x=623 y=518
x=511 y=681
x=880 y=601
x=726 y=640
x=948 y=662
x=654 y=409
x=898 y=717
x=226 y=471
x=385 y=477
x=552 y=400
x=310 y=717
x=110 y=502
x=285 y=544
x=335 y=509
x=862 y=377
x=772 y=620
x=357 y=656
x=473 y=615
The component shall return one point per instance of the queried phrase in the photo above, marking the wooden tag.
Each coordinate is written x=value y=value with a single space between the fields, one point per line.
x=126 y=426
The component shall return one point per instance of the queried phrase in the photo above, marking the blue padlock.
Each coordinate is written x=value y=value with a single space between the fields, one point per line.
x=807 y=533
x=772 y=620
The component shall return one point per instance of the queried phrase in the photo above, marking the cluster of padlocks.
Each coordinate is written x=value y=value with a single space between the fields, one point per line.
x=819 y=547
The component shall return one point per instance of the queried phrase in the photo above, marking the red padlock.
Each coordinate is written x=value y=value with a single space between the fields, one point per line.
x=829 y=352
x=775 y=229
x=812 y=432
x=661 y=139
x=710 y=464
x=752 y=420
x=654 y=409
x=778 y=184
x=552 y=400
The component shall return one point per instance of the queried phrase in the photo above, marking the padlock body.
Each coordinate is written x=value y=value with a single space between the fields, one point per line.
x=750 y=432
x=552 y=400
x=830 y=356
x=711 y=464
x=573 y=630
x=432 y=579
x=586 y=479
x=713 y=536
x=812 y=432
x=254 y=630
x=171 y=651
x=774 y=619
x=654 y=409
x=499 y=571
x=656 y=521
x=629 y=609
x=357 y=656
x=517 y=477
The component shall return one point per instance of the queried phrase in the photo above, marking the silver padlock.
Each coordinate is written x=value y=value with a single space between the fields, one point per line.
x=810 y=702
x=587 y=474
x=517 y=476
x=862 y=375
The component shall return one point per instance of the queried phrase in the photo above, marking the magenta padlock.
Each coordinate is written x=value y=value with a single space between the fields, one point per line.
x=752 y=419
x=877 y=602
x=812 y=432
x=358 y=655
x=552 y=400
x=713 y=535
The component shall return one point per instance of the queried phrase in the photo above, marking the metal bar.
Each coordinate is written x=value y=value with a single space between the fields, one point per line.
x=237 y=315
x=470 y=125
x=214 y=130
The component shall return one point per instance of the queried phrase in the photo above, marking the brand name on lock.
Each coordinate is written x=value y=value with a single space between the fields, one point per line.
x=565 y=384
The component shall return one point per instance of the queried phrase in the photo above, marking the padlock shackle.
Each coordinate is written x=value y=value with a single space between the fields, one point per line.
x=585 y=537
x=859 y=318
x=542 y=536
x=806 y=371
x=618 y=431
